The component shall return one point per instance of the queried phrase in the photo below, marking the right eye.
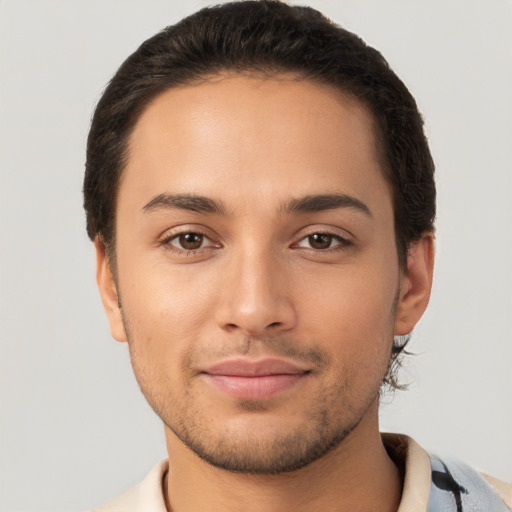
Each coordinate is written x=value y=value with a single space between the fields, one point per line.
x=189 y=241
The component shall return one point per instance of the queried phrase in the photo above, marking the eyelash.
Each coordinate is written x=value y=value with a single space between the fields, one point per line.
x=166 y=242
x=342 y=243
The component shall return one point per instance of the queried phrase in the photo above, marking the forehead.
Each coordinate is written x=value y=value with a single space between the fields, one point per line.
x=245 y=137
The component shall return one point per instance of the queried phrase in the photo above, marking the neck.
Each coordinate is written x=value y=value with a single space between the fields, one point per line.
x=357 y=475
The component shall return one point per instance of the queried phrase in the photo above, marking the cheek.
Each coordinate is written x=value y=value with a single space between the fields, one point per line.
x=164 y=310
x=351 y=312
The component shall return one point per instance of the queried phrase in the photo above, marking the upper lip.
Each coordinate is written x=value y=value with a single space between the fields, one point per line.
x=254 y=368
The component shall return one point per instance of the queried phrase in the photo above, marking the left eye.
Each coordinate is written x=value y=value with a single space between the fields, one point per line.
x=321 y=241
x=189 y=241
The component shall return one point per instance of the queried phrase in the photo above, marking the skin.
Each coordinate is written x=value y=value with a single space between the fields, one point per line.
x=321 y=290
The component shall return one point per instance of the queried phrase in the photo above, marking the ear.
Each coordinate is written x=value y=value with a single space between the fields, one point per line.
x=415 y=285
x=108 y=291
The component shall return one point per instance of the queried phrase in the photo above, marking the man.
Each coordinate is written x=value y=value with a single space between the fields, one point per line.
x=260 y=193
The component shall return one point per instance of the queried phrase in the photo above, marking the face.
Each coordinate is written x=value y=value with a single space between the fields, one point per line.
x=257 y=272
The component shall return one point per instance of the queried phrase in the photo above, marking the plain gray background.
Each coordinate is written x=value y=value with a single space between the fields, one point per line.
x=74 y=428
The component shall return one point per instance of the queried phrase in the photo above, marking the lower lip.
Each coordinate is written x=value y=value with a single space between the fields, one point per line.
x=254 y=388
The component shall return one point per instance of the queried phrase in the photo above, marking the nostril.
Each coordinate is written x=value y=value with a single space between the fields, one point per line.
x=275 y=324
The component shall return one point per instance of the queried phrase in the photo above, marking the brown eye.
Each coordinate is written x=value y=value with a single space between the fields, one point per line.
x=320 y=241
x=190 y=241
x=324 y=242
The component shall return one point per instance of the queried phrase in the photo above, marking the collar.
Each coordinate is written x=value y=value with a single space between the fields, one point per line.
x=413 y=460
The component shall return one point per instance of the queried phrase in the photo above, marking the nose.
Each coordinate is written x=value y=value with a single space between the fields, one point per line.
x=256 y=296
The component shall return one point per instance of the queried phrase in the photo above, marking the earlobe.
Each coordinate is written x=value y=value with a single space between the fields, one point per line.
x=415 y=285
x=108 y=290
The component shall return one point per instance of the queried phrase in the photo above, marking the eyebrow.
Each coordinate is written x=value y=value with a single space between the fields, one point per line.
x=322 y=202
x=189 y=202
x=306 y=204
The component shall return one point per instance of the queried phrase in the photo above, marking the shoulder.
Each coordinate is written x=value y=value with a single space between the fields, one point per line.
x=502 y=488
x=457 y=483
x=147 y=496
x=432 y=483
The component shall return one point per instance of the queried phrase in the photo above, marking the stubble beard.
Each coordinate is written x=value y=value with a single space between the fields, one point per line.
x=246 y=453
x=327 y=423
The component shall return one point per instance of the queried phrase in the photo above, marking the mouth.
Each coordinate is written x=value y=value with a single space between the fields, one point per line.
x=254 y=380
